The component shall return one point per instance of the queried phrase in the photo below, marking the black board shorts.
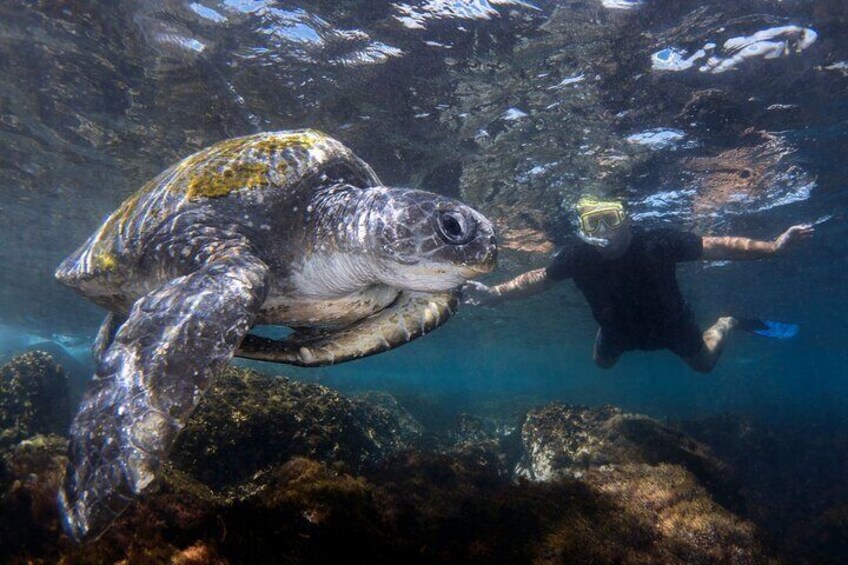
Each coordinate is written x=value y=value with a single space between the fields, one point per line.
x=684 y=339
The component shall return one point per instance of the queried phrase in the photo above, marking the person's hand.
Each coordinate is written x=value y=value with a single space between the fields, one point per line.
x=791 y=237
x=476 y=293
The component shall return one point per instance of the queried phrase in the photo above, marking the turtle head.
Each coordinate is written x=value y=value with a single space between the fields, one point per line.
x=429 y=242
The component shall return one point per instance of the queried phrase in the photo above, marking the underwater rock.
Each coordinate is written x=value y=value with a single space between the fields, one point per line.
x=197 y=554
x=30 y=474
x=658 y=477
x=408 y=427
x=78 y=371
x=563 y=441
x=795 y=485
x=826 y=537
x=471 y=429
x=631 y=513
x=33 y=398
x=239 y=490
x=687 y=524
x=249 y=422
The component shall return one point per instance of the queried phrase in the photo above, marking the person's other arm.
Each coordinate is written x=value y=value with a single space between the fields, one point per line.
x=524 y=285
x=742 y=248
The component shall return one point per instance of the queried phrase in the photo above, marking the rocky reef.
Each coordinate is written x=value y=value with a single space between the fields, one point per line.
x=270 y=469
x=673 y=487
x=33 y=398
x=30 y=474
x=562 y=442
x=250 y=423
x=792 y=478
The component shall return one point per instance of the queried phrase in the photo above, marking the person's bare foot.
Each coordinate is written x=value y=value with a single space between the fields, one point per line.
x=728 y=321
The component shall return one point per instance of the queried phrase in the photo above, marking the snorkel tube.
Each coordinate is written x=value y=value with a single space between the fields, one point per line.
x=596 y=241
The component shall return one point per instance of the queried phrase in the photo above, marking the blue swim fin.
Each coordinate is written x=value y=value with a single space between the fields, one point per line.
x=768 y=328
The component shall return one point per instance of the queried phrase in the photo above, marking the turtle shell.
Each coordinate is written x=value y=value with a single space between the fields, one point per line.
x=270 y=160
x=242 y=166
x=281 y=159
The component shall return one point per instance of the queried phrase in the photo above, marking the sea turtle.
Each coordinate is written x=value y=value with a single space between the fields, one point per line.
x=286 y=228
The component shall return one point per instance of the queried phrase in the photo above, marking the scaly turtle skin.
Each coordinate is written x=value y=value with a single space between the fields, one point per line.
x=286 y=228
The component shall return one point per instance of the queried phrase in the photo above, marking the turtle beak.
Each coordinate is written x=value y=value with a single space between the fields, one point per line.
x=484 y=249
x=489 y=257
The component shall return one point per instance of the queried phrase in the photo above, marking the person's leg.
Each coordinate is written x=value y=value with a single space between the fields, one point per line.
x=605 y=353
x=713 y=342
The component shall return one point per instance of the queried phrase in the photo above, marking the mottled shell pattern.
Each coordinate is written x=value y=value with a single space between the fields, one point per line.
x=241 y=167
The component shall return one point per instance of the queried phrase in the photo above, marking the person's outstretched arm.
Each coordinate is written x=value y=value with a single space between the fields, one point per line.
x=741 y=248
x=527 y=284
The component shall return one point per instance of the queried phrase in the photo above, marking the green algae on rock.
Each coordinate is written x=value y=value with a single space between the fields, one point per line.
x=563 y=441
x=30 y=474
x=33 y=397
x=271 y=469
x=250 y=422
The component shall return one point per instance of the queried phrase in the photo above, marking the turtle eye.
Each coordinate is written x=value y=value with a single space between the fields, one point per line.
x=455 y=228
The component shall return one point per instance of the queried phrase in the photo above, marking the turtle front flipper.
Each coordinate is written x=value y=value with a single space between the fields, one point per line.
x=412 y=315
x=148 y=382
x=106 y=334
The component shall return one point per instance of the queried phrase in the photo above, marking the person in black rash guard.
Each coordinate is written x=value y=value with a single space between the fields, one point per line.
x=628 y=276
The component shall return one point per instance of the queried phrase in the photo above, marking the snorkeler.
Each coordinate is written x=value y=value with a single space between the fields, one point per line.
x=628 y=277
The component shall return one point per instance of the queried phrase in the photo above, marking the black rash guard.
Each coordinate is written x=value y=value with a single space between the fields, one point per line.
x=635 y=298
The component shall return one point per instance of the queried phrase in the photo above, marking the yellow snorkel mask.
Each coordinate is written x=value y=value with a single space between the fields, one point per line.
x=596 y=216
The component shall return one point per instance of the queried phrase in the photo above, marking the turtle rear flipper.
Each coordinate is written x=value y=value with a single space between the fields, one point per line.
x=410 y=316
x=148 y=382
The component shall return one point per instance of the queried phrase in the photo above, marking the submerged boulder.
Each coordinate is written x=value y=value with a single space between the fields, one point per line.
x=563 y=441
x=250 y=422
x=34 y=412
x=30 y=474
x=795 y=484
x=686 y=522
x=409 y=428
x=33 y=398
x=658 y=477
